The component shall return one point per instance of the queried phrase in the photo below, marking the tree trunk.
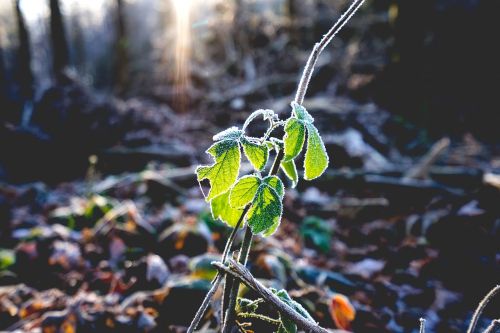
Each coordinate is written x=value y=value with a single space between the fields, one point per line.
x=23 y=74
x=121 y=48
x=3 y=78
x=60 y=50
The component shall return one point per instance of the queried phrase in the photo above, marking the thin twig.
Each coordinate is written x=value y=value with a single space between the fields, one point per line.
x=259 y=316
x=422 y=325
x=240 y=272
x=240 y=327
x=233 y=286
x=319 y=47
x=481 y=306
x=218 y=279
x=421 y=170
x=204 y=305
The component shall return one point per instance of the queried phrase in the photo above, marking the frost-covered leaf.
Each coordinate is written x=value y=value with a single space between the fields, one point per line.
x=290 y=171
x=247 y=305
x=270 y=145
x=316 y=159
x=287 y=325
x=232 y=133
x=295 y=132
x=266 y=210
x=223 y=211
x=301 y=113
x=224 y=172
x=283 y=295
x=243 y=192
x=256 y=153
x=276 y=184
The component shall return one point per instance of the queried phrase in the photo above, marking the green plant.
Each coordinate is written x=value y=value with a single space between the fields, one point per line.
x=316 y=232
x=257 y=198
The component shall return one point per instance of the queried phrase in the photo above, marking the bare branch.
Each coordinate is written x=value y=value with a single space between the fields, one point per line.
x=481 y=306
x=422 y=325
x=241 y=273
x=218 y=279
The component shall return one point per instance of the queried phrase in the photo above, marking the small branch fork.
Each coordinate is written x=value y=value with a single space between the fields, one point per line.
x=481 y=307
x=241 y=273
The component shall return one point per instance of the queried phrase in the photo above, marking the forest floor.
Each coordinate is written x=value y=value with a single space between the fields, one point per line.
x=405 y=228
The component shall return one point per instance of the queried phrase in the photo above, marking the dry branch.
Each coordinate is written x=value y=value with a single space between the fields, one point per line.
x=481 y=306
x=421 y=170
x=241 y=273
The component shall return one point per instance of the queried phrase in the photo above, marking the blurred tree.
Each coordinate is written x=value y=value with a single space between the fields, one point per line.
x=121 y=49
x=22 y=73
x=3 y=77
x=60 y=49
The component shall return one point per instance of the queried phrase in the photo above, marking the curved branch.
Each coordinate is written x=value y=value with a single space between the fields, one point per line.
x=319 y=47
x=240 y=272
x=481 y=306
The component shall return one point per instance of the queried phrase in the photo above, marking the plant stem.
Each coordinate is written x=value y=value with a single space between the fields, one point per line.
x=241 y=273
x=242 y=259
x=299 y=99
x=259 y=316
x=319 y=47
x=218 y=278
x=422 y=325
x=234 y=285
x=481 y=306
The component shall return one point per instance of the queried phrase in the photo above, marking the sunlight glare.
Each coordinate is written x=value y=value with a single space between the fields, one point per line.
x=182 y=12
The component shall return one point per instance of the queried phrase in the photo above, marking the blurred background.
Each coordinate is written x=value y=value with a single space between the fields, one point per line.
x=106 y=105
x=69 y=68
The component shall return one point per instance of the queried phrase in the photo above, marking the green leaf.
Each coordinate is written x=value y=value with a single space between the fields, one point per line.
x=276 y=184
x=265 y=213
x=247 y=305
x=290 y=171
x=316 y=159
x=201 y=266
x=256 y=153
x=224 y=172
x=7 y=259
x=287 y=325
x=294 y=138
x=223 y=211
x=301 y=113
x=244 y=191
x=317 y=232
x=283 y=295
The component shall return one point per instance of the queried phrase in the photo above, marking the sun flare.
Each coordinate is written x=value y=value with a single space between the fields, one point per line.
x=182 y=52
